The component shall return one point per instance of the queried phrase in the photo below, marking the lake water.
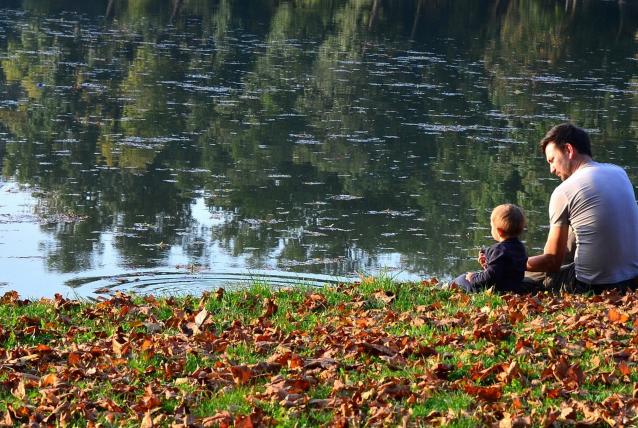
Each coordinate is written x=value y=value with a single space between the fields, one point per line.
x=176 y=146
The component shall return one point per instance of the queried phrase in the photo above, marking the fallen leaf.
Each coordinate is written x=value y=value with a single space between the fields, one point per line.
x=487 y=393
x=270 y=308
x=616 y=316
x=74 y=359
x=20 y=390
x=241 y=374
x=384 y=296
x=201 y=317
x=243 y=422
x=147 y=421
x=624 y=368
x=49 y=380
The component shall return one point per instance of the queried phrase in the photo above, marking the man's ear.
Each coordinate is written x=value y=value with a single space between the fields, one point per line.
x=570 y=150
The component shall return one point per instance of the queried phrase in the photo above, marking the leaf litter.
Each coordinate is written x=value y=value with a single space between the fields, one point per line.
x=375 y=353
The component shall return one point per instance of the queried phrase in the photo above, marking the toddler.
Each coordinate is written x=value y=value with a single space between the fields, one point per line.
x=504 y=262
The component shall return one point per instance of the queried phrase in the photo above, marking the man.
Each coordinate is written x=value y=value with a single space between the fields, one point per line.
x=597 y=203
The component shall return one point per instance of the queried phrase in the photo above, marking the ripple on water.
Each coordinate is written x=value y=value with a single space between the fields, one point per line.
x=181 y=283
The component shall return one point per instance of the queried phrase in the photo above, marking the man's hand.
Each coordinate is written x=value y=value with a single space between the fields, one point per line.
x=469 y=276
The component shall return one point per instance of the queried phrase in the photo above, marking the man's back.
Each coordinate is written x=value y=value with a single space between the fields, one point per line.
x=598 y=200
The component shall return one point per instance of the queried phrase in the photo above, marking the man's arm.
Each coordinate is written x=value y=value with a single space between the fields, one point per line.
x=554 y=252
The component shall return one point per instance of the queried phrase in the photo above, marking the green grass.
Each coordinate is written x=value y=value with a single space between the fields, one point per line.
x=339 y=344
x=233 y=400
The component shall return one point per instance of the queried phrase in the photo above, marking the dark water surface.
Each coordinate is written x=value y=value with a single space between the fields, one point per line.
x=175 y=146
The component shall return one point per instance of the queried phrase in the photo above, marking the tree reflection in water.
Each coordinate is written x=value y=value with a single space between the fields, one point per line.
x=325 y=136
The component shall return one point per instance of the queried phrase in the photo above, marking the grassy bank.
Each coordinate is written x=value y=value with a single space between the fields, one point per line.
x=375 y=353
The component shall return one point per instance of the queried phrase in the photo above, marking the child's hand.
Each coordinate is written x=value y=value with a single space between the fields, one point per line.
x=482 y=259
x=469 y=276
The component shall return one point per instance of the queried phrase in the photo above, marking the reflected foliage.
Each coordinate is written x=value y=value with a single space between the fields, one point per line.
x=327 y=136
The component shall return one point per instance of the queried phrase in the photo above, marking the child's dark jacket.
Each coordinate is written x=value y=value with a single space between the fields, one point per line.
x=505 y=269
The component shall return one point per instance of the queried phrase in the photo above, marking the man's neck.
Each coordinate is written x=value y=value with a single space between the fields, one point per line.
x=580 y=162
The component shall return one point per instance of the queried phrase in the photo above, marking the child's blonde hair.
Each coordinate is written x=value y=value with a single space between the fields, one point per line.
x=510 y=219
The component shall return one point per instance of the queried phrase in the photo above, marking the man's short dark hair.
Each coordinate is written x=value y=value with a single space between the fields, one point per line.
x=567 y=133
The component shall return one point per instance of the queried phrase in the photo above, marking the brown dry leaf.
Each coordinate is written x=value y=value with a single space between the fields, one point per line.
x=319 y=403
x=396 y=362
x=364 y=322
x=201 y=317
x=203 y=299
x=567 y=412
x=243 y=422
x=550 y=417
x=487 y=393
x=148 y=402
x=575 y=375
x=514 y=422
x=478 y=374
x=511 y=372
x=616 y=316
x=20 y=390
x=189 y=328
x=119 y=348
x=384 y=296
x=241 y=374
x=592 y=415
x=292 y=400
x=493 y=332
x=323 y=363
x=9 y=298
x=315 y=302
x=295 y=362
x=270 y=308
x=338 y=386
x=574 y=349
x=419 y=350
x=74 y=359
x=417 y=322
x=375 y=349
x=43 y=349
x=146 y=345
x=147 y=421
x=221 y=420
x=394 y=389
x=49 y=380
x=624 y=368
x=554 y=393
x=6 y=420
x=515 y=316
x=22 y=412
x=461 y=298
x=110 y=405
x=297 y=386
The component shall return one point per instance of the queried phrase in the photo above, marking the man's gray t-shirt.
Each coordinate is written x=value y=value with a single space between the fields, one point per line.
x=598 y=200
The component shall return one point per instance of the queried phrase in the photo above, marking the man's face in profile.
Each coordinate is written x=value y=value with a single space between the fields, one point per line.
x=560 y=163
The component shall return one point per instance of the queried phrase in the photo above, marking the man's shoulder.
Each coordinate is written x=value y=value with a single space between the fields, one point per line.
x=586 y=175
x=598 y=168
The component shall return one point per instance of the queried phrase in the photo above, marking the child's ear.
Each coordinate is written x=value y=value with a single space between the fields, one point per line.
x=500 y=232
